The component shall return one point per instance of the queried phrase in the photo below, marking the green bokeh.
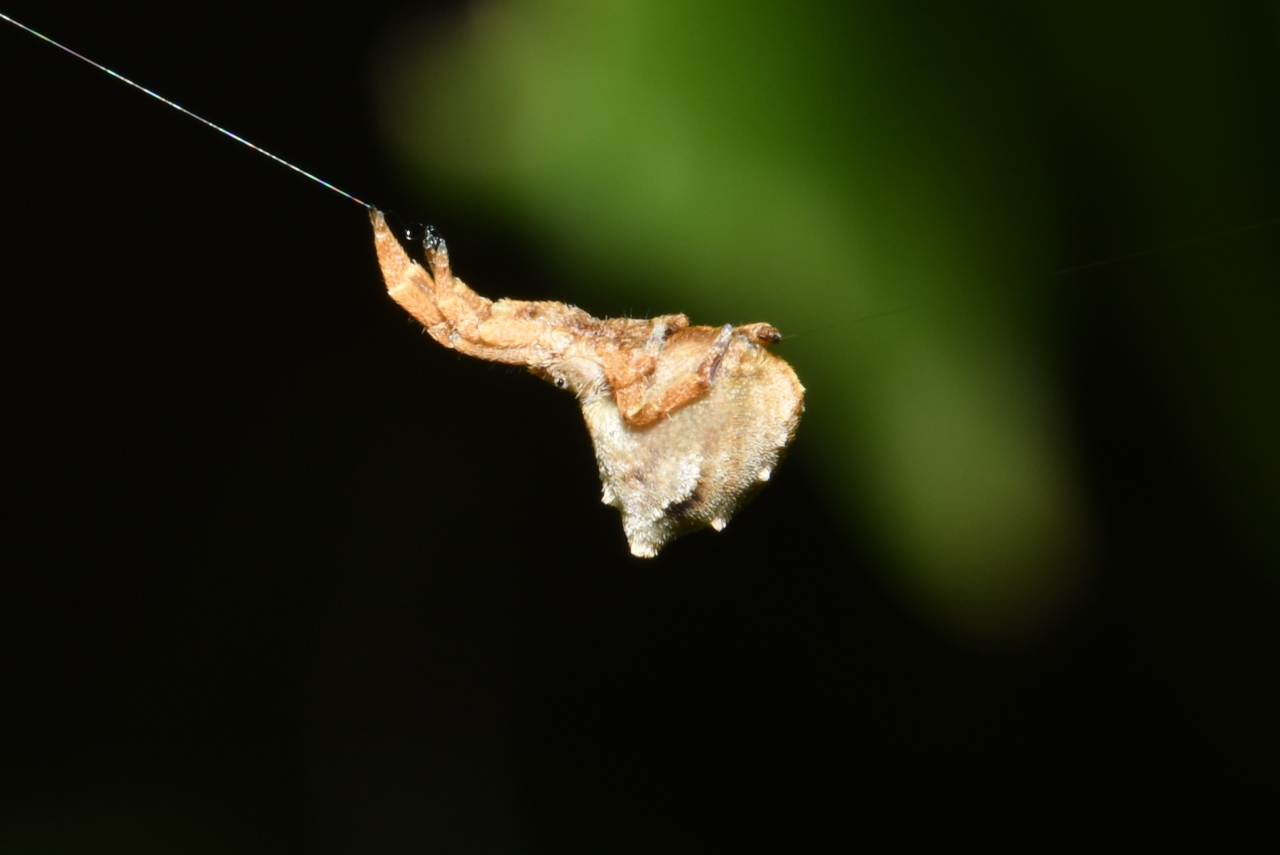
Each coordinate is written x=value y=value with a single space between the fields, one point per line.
x=811 y=164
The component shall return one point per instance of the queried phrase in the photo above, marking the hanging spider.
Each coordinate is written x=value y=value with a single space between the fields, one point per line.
x=688 y=422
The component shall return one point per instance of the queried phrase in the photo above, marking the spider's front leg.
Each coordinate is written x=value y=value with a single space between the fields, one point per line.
x=511 y=331
x=407 y=282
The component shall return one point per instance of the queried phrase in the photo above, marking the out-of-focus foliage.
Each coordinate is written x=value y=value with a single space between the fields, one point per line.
x=811 y=164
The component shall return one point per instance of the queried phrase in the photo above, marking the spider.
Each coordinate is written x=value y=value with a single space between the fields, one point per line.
x=688 y=422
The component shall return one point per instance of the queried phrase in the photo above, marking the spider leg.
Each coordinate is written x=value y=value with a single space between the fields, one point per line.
x=510 y=331
x=642 y=405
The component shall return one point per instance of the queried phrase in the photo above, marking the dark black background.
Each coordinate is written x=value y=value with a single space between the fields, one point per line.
x=280 y=575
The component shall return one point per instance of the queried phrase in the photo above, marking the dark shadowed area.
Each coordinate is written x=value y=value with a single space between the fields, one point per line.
x=282 y=575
